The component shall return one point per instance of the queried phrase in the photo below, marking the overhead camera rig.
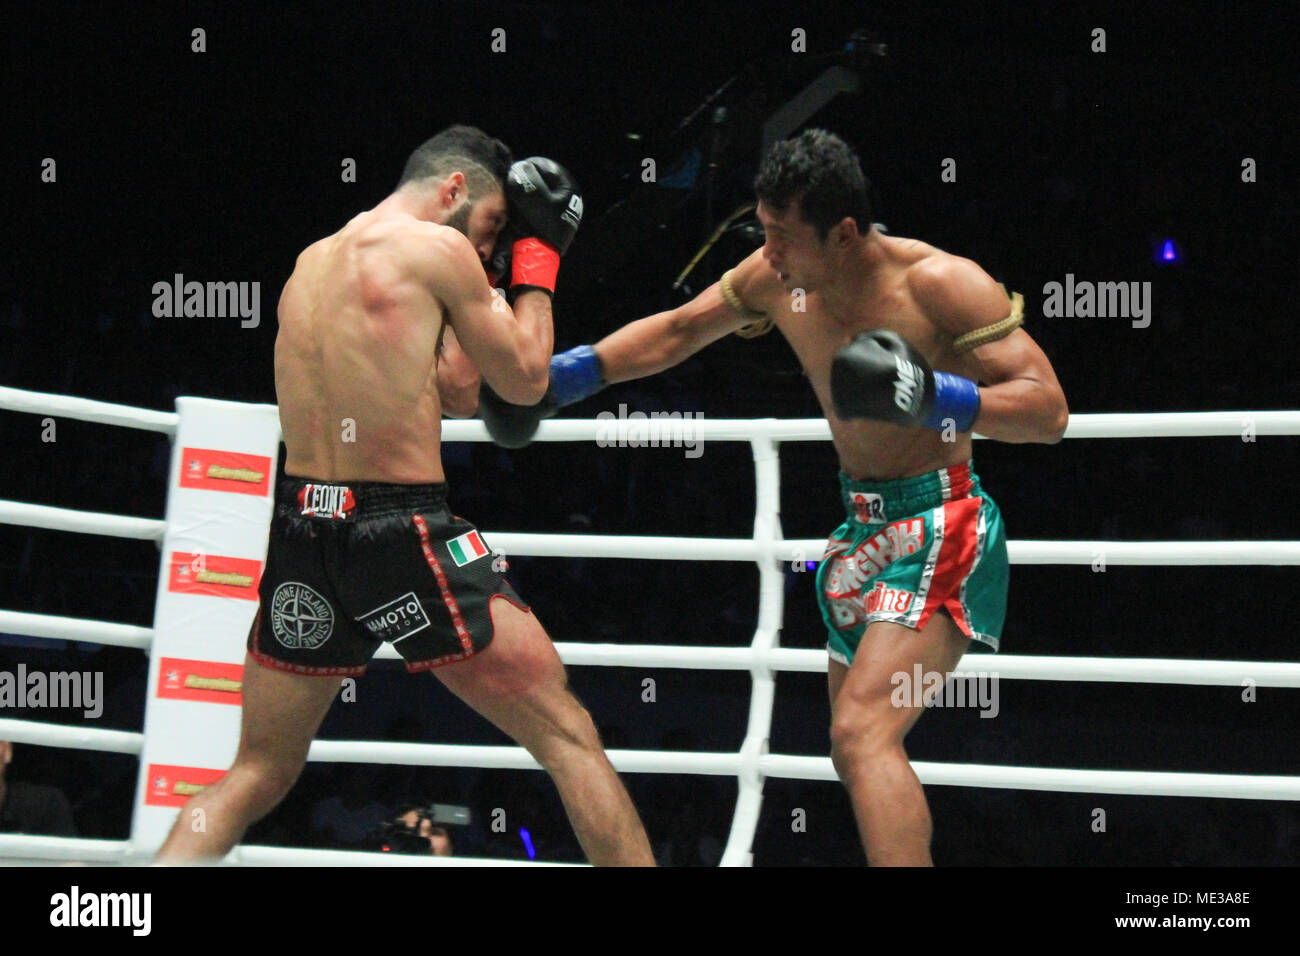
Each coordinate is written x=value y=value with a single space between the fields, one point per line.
x=711 y=148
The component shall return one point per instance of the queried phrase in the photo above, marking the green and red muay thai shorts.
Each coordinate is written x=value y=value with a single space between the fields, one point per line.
x=910 y=548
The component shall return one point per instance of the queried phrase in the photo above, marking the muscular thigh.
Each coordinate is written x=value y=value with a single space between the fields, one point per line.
x=888 y=649
x=282 y=711
x=518 y=682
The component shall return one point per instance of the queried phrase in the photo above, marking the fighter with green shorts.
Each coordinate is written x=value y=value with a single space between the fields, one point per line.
x=909 y=350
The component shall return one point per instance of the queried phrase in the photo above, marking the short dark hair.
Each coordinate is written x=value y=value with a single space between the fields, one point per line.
x=823 y=173
x=484 y=161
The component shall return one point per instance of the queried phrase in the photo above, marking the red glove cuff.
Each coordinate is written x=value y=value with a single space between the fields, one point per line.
x=534 y=262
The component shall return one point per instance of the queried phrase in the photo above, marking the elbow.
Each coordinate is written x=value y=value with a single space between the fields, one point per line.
x=1059 y=421
x=462 y=406
x=458 y=393
x=538 y=381
x=528 y=386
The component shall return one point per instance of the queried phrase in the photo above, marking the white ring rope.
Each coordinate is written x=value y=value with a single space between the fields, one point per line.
x=763 y=658
x=1159 y=553
x=293 y=856
x=87 y=410
x=1235 y=786
x=1095 y=425
x=71 y=849
x=72 y=736
x=75 y=629
x=16 y=846
x=81 y=522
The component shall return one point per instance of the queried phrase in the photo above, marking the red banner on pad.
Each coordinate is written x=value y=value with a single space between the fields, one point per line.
x=214 y=574
x=173 y=786
x=215 y=470
x=210 y=682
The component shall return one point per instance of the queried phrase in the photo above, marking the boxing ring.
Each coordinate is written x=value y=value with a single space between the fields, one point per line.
x=763 y=658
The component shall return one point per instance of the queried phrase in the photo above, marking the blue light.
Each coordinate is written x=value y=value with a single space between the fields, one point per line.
x=1167 y=252
x=528 y=843
x=812 y=565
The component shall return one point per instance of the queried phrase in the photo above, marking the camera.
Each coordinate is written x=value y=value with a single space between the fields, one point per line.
x=396 y=837
x=399 y=836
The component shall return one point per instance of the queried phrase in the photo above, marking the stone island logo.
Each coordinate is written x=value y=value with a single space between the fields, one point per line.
x=300 y=618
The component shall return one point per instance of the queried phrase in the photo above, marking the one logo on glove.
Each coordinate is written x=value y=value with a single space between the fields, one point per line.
x=907 y=387
x=301 y=619
x=573 y=214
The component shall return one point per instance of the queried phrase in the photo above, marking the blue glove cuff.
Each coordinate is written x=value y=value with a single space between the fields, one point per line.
x=955 y=398
x=575 y=375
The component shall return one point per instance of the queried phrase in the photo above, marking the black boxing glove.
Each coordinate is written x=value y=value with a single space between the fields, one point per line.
x=575 y=375
x=510 y=425
x=878 y=375
x=546 y=208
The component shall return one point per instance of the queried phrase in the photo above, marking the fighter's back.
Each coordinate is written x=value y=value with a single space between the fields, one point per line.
x=355 y=354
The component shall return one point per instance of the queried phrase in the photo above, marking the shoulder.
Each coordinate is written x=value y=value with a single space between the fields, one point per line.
x=405 y=249
x=424 y=245
x=954 y=292
x=311 y=255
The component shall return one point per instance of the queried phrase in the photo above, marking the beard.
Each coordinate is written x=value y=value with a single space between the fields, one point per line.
x=459 y=220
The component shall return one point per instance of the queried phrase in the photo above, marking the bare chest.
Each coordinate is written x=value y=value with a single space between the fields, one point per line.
x=817 y=333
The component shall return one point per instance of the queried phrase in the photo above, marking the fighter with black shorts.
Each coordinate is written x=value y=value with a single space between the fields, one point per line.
x=384 y=327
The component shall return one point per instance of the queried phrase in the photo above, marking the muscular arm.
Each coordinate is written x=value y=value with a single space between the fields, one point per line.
x=1021 y=400
x=511 y=348
x=660 y=341
x=458 y=379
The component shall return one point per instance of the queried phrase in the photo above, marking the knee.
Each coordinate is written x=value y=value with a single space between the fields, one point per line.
x=262 y=784
x=845 y=740
x=581 y=731
x=860 y=736
x=573 y=736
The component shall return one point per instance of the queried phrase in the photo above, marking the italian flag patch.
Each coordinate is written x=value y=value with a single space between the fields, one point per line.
x=466 y=548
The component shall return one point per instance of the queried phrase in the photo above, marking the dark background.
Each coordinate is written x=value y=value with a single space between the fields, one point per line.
x=223 y=165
